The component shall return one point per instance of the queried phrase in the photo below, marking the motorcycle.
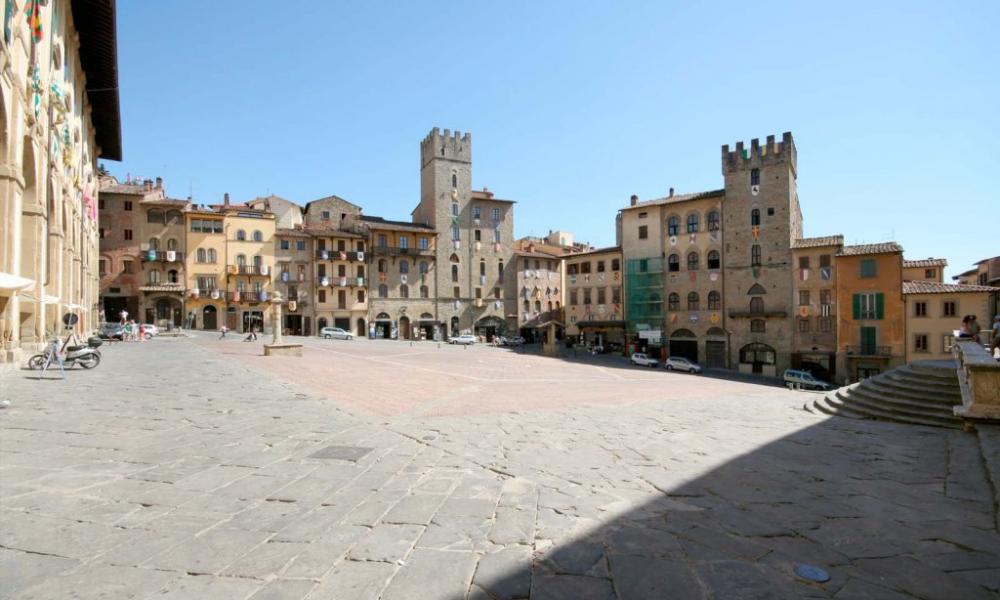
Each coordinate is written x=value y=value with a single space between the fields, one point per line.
x=88 y=356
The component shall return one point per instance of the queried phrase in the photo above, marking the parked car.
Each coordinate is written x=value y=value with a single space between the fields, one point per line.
x=643 y=360
x=151 y=330
x=111 y=331
x=514 y=340
x=804 y=380
x=679 y=363
x=335 y=333
x=466 y=339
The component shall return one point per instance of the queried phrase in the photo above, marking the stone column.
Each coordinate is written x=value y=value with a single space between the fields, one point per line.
x=276 y=323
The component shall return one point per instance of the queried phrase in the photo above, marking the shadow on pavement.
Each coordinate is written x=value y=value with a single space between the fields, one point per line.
x=876 y=506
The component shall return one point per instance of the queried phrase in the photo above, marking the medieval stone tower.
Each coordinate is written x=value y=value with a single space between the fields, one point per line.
x=475 y=235
x=761 y=219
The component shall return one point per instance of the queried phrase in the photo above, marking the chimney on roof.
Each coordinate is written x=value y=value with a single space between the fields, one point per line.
x=159 y=183
x=225 y=199
x=671 y=192
x=634 y=199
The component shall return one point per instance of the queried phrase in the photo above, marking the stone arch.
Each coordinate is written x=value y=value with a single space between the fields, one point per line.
x=362 y=328
x=453 y=258
x=756 y=290
x=682 y=333
x=716 y=331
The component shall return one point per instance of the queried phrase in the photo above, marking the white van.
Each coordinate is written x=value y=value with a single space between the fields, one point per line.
x=803 y=380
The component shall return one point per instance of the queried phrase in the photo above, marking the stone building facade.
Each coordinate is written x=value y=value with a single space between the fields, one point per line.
x=686 y=230
x=403 y=288
x=293 y=277
x=58 y=115
x=814 y=346
x=205 y=269
x=475 y=235
x=340 y=276
x=594 y=298
x=934 y=310
x=761 y=219
x=536 y=279
x=928 y=269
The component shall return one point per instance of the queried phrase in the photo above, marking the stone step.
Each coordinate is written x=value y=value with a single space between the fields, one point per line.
x=864 y=399
x=926 y=397
x=906 y=383
x=841 y=406
x=918 y=370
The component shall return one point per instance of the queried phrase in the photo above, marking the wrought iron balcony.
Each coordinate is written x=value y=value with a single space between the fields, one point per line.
x=335 y=255
x=759 y=314
x=250 y=270
x=162 y=256
x=251 y=296
x=397 y=251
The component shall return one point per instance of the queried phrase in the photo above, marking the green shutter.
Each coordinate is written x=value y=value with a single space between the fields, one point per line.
x=857 y=306
x=879 y=306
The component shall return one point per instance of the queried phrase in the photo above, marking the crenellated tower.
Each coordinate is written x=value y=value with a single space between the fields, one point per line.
x=761 y=219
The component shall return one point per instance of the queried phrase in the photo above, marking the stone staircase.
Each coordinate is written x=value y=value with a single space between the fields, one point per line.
x=920 y=393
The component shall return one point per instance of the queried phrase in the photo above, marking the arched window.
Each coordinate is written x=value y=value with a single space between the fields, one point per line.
x=693 y=301
x=538 y=306
x=258 y=261
x=527 y=305
x=454 y=273
x=755 y=255
x=692 y=261
x=241 y=260
x=500 y=270
x=756 y=290
x=174 y=217
x=201 y=255
x=258 y=236
x=757 y=353
x=171 y=244
x=714 y=300
x=154 y=215
x=423 y=267
x=755 y=217
x=754 y=176
x=454 y=180
x=673 y=263
x=756 y=306
x=693 y=223
x=213 y=255
x=482 y=266
x=713 y=259
x=382 y=265
x=404 y=266
x=424 y=291
x=673 y=225
x=154 y=244
x=404 y=291
x=453 y=258
x=713 y=220
x=241 y=235
x=383 y=290
x=674 y=301
x=154 y=277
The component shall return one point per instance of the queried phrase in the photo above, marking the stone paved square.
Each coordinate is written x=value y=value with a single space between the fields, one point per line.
x=187 y=468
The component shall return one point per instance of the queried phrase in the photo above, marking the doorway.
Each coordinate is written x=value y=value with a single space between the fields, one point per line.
x=404 y=328
x=209 y=318
x=253 y=319
x=362 y=329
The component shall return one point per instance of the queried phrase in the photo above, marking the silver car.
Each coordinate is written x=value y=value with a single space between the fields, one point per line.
x=335 y=333
x=467 y=340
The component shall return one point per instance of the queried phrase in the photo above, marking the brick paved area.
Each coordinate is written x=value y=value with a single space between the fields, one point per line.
x=189 y=468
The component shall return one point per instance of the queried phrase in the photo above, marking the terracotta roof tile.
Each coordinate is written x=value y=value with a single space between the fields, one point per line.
x=677 y=198
x=927 y=262
x=883 y=248
x=933 y=287
x=819 y=242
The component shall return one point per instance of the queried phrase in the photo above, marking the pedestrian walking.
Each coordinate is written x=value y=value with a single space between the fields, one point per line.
x=222 y=331
x=142 y=332
x=54 y=354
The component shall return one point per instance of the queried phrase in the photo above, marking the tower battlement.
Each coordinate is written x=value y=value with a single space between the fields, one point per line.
x=448 y=145
x=771 y=153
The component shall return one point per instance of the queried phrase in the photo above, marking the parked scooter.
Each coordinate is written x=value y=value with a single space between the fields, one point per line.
x=88 y=356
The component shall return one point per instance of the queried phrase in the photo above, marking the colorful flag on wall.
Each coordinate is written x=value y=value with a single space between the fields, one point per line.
x=33 y=10
x=804 y=274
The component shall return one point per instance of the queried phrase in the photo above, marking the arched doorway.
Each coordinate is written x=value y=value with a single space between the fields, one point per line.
x=683 y=342
x=454 y=327
x=426 y=326
x=404 y=328
x=383 y=326
x=321 y=323
x=760 y=357
x=715 y=348
x=209 y=318
x=362 y=330
x=489 y=327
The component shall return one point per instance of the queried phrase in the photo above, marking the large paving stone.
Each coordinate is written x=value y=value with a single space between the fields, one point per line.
x=641 y=577
x=386 y=543
x=505 y=574
x=354 y=580
x=432 y=574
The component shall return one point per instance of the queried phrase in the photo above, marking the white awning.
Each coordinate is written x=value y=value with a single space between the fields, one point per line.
x=14 y=282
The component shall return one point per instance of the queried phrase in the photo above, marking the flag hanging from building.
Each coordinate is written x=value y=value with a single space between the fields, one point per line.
x=33 y=10
x=804 y=274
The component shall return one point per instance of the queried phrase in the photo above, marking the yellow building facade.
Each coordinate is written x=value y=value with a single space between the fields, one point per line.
x=205 y=270
x=935 y=310
x=249 y=238
x=52 y=132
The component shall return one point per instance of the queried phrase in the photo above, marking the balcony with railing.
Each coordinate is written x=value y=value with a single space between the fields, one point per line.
x=868 y=350
x=251 y=296
x=341 y=281
x=399 y=251
x=262 y=270
x=336 y=255
x=739 y=313
x=162 y=256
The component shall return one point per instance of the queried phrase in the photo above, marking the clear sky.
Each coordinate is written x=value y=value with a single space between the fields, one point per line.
x=574 y=106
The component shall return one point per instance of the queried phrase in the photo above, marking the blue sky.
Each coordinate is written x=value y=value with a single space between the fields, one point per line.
x=575 y=106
